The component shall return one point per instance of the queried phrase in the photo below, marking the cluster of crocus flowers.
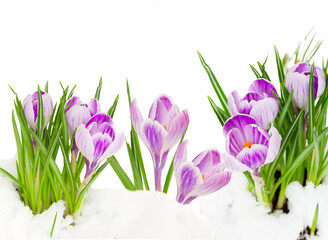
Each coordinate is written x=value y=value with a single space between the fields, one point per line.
x=163 y=128
x=203 y=175
x=297 y=78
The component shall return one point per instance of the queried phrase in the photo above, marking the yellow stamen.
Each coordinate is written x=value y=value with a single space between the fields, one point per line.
x=298 y=60
x=247 y=144
x=203 y=176
x=165 y=128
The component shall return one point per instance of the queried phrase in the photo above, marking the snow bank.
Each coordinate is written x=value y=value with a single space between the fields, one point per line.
x=235 y=214
x=106 y=214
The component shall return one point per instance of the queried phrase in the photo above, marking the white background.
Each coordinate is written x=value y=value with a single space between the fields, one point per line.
x=152 y=43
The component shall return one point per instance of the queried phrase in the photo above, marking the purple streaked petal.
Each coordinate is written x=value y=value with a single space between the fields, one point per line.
x=245 y=107
x=177 y=129
x=207 y=161
x=113 y=147
x=321 y=82
x=233 y=164
x=100 y=143
x=235 y=141
x=153 y=135
x=99 y=119
x=108 y=129
x=84 y=142
x=47 y=107
x=158 y=112
x=256 y=135
x=76 y=116
x=28 y=112
x=94 y=107
x=212 y=184
x=264 y=87
x=274 y=145
x=253 y=96
x=188 y=178
x=136 y=116
x=233 y=103
x=253 y=157
x=300 y=84
x=72 y=102
x=181 y=154
x=239 y=121
x=265 y=111
x=167 y=101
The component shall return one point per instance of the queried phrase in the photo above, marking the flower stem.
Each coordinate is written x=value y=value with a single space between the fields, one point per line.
x=158 y=186
x=261 y=194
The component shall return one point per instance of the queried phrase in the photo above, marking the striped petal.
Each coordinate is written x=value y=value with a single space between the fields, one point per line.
x=136 y=116
x=239 y=121
x=265 y=111
x=274 y=145
x=76 y=116
x=84 y=142
x=253 y=157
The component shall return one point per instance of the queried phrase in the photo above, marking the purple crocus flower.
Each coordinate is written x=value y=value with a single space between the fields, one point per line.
x=96 y=141
x=297 y=78
x=204 y=175
x=30 y=107
x=248 y=145
x=78 y=113
x=162 y=129
x=259 y=102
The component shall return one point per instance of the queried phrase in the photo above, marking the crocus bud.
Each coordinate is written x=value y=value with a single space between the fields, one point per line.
x=297 y=78
x=30 y=107
x=204 y=175
x=78 y=113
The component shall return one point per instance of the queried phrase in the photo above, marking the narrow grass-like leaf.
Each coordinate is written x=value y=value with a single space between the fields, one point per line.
x=263 y=71
x=71 y=92
x=216 y=86
x=120 y=173
x=171 y=169
x=46 y=88
x=135 y=169
x=255 y=71
x=315 y=219
x=297 y=162
x=279 y=66
x=313 y=171
x=220 y=114
x=112 y=109
x=97 y=94
x=53 y=225
x=314 y=51
x=285 y=109
x=311 y=106
x=11 y=177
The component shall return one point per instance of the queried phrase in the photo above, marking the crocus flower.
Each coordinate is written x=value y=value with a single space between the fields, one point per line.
x=297 y=78
x=78 y=113
x=259 y=102
x=96 y=141
x=162 y=129
x=30 y=107
x=204 y=175
x=248 y=145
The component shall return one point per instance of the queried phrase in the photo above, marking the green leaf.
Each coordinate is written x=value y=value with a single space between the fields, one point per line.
x=263 y=71
x=46 y=87
x=315 y=219
x=255 y=71
x=297 y=162
x=285 y=141
x=285 y=109
x=53 y=225
x=11 y=177
x=112 y=109
x=279 y=66
x=311 y=106
x=120 y=173
x=97 y=94
x=313 y=171
x=216 y=86
x=220 y=114
x=135 y=169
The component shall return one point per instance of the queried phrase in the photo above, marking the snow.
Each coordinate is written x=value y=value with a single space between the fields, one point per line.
x=106 y=214
x=235 y=213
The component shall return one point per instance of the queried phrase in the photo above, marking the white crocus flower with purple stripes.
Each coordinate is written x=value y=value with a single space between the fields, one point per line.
x=249 y=146
x=162 y=129
x=259 y=102
x=297 y=78
x=204 y=175
x=30 y=107
x=78 y=113
x=97 y=141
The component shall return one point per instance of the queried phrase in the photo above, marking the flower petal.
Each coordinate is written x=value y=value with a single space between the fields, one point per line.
x=208 y=162
x=73 y=101
x=100 y=143
x=274 y=145
x=99 y=119
x=94 y=107
x=263 y=86
x=188 y=178
x=256 y=135
x=235 y=141
x=113 y=147
x=253 y=157
x=84 y=142
x=181 y=154
x=233 y=103
x=136 y=116
x=239 y=121
x=300 y=84
x=76 y=116
x=177 y=129
x=233 y=164
x=29 y=112
x=265 y=111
